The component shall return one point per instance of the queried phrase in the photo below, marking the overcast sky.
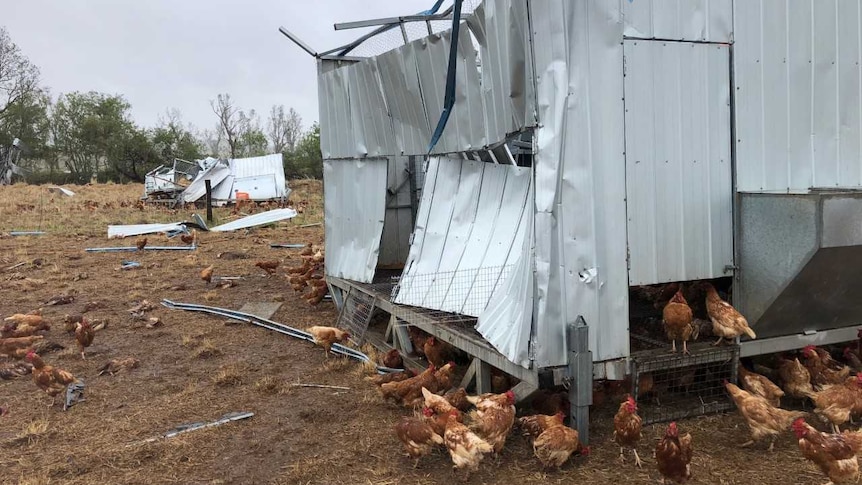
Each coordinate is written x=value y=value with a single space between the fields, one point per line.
x=182 y=53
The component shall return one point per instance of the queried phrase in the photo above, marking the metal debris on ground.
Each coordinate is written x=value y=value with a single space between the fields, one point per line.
x=321 y=386
x=26 y=233
x=130 y=265
x=311 y=225
x=134 y=248
x=60 y=300
x=262 y=219
x=61 y=190
x=185 y=428
x=289 y=246
x=74 y=394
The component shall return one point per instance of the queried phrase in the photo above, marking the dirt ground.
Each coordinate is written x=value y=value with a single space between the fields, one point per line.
x=197 y=368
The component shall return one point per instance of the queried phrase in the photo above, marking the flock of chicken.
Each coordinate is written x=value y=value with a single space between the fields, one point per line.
x=19 y=340
x=814 y=375
x=678 y=319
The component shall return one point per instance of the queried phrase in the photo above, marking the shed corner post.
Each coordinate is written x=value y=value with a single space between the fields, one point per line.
x=580 y=377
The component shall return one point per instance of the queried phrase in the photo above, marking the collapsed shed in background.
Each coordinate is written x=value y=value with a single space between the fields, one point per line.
x=258 y=178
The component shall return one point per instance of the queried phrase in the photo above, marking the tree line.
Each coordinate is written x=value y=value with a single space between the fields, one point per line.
x=79 y=136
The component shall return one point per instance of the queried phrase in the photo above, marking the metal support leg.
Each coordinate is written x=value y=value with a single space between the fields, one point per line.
x=400 y=337
x=483 y=377
x=581 y=377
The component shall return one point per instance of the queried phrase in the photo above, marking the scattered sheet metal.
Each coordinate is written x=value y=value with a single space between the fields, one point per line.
x=26 y=233
x=133 y=248
x=185 y=428
x=121 y=231
x=61 y=190
x=275 y=327
x=261 y=219
x=289 y=246
x=74 y=394
x=130 y=265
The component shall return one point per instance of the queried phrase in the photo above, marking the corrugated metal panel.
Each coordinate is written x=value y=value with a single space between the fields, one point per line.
x=580 y=178
x=466 y=127
x=353 y=218
x=372 y=128
x=468 y=235
x=798 y=92
x=679 y=191
x=400 y=81
x=398 y=225
x=500 y=27
x=698 y=20
x=336 y=126
x=402 y=91
x=507 y=321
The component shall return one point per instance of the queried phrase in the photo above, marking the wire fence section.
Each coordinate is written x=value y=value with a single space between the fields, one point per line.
x=463 y=291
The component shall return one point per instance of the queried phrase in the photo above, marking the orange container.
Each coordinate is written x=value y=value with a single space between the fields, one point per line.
x=242 y=196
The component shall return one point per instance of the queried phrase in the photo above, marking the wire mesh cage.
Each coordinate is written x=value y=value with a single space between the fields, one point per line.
x=356 y=314
x=464 y=291
x=672 y=386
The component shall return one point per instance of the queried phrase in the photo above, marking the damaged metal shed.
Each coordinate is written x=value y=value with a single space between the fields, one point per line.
x=258 y=178
x=594 y=146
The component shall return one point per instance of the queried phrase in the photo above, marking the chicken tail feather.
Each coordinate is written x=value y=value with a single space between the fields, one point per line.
x=750 y=332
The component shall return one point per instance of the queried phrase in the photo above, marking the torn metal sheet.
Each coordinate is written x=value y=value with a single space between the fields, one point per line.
x=185 y=428
x=261 y=219
x=26 y=233
x=140 y=229
x=74 y=394
x=215 y=174
x=134 y=248
x=130 y=265
x=61 y=190
x=289 y=246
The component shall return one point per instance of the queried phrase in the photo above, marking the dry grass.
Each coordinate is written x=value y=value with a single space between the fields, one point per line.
x=228 y=375
x=33 y=431
x=207 y=349
x=188 y=341
x=211 y=296
x=268 y=385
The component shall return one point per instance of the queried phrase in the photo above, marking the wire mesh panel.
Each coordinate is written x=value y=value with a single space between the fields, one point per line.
x=356 y=315
x=464 y=291
x=675 y=386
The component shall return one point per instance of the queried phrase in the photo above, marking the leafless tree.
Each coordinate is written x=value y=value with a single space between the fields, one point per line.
x=230 y=121
x=283 y=129
x=18 y=77
x=212 y=141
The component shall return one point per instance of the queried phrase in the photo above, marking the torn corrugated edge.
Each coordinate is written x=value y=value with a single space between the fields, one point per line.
x=140 y=229
x=261 y=219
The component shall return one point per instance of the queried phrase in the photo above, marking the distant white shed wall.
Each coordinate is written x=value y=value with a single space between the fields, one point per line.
x=798 y=94
x=354 y=194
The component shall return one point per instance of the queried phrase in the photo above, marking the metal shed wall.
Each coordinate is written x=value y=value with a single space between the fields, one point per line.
x=798 y=94
x=685 y=20
x=678 y=165
x=353 y=218
x=398 y=224
x=580 y=225
x=386 y=105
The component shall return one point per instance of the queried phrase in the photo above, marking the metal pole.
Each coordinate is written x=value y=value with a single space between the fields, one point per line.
x=580 y=377
x=209 y=200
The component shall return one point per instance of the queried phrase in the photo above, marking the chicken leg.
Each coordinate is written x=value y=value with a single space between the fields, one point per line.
x=718 y=342
x=673 y=346
x=685 y=348
x=637 y=458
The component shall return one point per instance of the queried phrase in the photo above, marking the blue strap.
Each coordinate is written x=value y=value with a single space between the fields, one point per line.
x=449 y=99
